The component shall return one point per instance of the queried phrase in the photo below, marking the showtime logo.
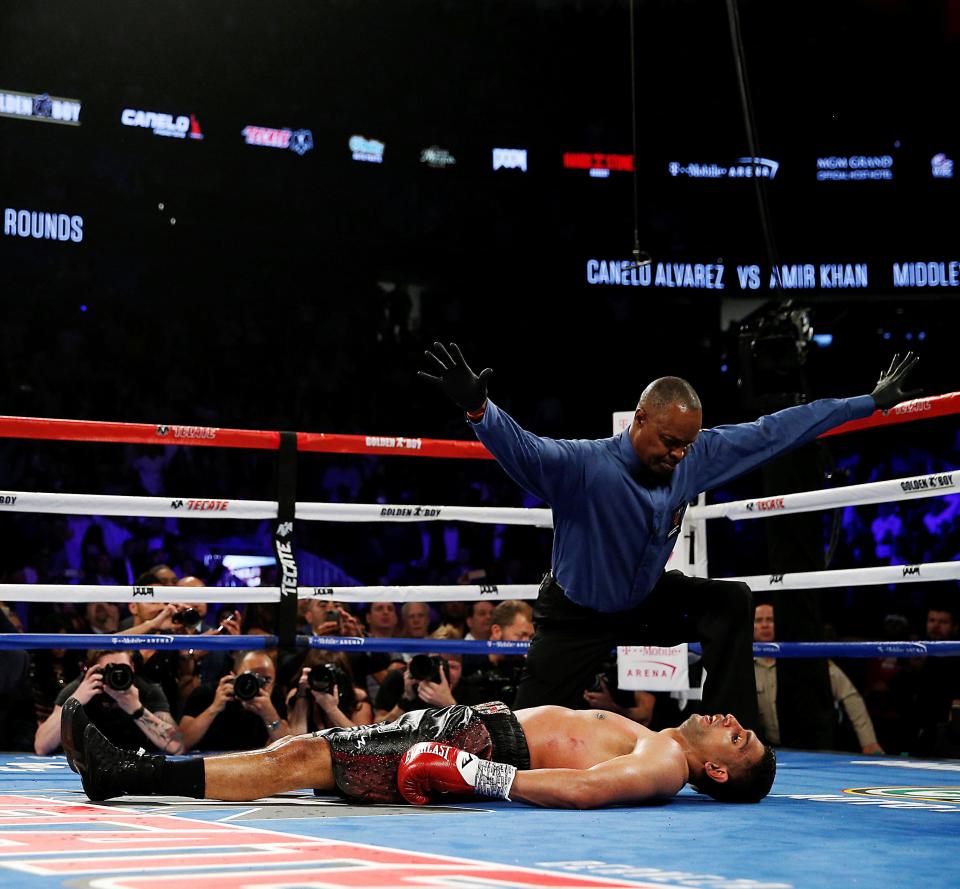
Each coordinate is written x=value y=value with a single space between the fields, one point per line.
x=162 y=124
x=298 y=141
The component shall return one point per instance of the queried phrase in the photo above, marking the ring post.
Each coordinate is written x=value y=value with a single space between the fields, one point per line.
x=283 y=539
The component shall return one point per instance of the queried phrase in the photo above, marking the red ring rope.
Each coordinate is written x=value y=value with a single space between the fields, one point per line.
x=320 y=442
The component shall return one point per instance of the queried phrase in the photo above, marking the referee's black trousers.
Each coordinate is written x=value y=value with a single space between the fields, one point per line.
x=572 y=643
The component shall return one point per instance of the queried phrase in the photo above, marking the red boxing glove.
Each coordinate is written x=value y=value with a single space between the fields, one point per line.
x=431 y=766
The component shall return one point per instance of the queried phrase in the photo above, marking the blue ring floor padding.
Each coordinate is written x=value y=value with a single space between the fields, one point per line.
x=832 y=820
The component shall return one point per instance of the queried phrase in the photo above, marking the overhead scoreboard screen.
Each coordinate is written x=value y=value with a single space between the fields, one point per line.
x=485 y=136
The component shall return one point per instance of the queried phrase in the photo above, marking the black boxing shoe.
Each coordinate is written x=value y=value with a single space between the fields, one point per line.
x=73 y=723
x=108 y=771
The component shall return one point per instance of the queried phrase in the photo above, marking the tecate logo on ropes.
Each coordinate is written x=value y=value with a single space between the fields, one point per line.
x=298 y=141
x=187 y=431
x=201 y=505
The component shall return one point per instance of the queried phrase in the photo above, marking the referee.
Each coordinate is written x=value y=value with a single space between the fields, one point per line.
x=617 y=507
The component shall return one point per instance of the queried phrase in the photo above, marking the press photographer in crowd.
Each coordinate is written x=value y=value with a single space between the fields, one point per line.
x=495 y=677
x=326 y=696
x=131 y=711
x=429 y=680
x=245 y=712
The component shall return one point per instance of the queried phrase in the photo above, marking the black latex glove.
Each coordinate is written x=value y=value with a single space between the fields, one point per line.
x=456 y=378
x=889 y=390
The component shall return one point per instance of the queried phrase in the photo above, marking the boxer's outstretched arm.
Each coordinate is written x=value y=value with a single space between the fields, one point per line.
x=292 y=763
x=626 y=779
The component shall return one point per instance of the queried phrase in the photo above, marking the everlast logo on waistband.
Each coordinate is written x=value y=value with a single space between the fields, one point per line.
x=909 y=570
x=143 y=591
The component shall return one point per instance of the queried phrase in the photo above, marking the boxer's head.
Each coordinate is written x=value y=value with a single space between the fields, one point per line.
x=727 y=761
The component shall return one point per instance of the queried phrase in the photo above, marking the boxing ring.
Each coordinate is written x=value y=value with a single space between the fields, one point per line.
x=830 y=818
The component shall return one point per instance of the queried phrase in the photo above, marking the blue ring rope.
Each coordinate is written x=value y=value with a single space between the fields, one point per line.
x=175 y=642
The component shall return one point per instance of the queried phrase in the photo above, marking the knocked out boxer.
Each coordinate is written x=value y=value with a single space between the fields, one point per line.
x=549 y=756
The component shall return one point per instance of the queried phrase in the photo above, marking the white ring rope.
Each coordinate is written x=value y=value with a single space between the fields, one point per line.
x=882 y=574
x=934 y=485
x=79 y=593
x=212 y=508
x=910 y=488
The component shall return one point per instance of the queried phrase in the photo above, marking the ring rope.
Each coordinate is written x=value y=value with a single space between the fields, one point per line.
x=881 y=574
x=805 y=580
x=83 y=593
x=212 y=508
x=178 y=642
x=906 y=412
x=908 y=488
x=934 y=485
x=38 y=428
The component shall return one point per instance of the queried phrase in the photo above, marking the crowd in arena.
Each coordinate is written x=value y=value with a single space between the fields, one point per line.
x=178 y=701
x=906 y=705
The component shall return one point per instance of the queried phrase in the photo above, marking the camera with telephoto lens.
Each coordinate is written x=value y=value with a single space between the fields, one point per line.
x=189 y=618
x=247 y=685
x=427 y=667
x=119 y=677
x=325 y=676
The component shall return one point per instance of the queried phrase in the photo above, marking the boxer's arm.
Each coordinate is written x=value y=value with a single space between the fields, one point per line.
x=430 y=767
x=626 y=779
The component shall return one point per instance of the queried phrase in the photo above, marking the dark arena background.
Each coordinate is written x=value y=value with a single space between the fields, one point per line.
x=227 y=215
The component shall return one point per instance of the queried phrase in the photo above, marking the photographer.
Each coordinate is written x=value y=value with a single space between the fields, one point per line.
x=328 y=618
x=128 y=709
x=325 y=696
x=173 y=671
x=243 y=713
x=495 y=677
x=323 y=617
x=428 y=681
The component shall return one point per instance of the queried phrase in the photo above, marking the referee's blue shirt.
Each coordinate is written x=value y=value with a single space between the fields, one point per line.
x=613 y=535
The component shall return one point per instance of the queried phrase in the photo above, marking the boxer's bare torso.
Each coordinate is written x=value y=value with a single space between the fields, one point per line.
x=559 y=738
x=615 y=759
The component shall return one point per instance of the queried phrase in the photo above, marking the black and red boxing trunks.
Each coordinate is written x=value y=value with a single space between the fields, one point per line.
x=366 y=758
